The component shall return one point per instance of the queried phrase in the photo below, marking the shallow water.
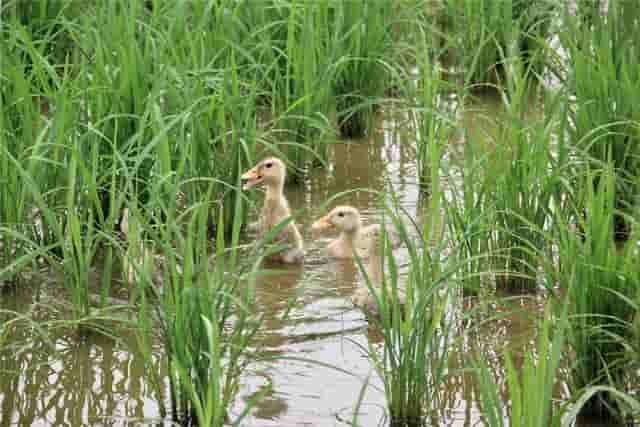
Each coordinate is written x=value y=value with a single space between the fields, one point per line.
x=308 y=315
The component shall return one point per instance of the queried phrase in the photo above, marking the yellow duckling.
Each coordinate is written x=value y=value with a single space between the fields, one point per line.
x=362 y=297
x=354 y=238
x=271 y=173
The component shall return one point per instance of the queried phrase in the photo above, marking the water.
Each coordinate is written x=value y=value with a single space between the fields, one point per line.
x=318 y=340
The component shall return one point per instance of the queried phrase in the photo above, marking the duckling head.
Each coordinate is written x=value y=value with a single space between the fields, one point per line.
x=344 y=218
x=270 y=172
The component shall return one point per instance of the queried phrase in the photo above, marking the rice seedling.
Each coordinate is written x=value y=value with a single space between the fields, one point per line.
x=523 y=183
x=414 y=320
x=432 y=119
x=602 y=78
x=488 y=32
x=305 y=102
x=531 y=390
x=415 y=331
x=627 y=408
x=204 y=311
x=42 y=21
x=282 y=48
x=193 y=104
x=362 y=43
x=600 y=279
x=471 y=218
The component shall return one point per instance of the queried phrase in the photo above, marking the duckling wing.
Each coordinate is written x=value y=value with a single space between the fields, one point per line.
x=392 y=235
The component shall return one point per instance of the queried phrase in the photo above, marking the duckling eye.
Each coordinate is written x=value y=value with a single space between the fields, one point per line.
x=268 y=165
x=340 y=214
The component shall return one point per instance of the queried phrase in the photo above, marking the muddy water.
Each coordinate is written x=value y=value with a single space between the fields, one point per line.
x=308 y=317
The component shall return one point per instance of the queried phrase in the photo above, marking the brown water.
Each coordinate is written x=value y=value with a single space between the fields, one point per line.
x=308 y=315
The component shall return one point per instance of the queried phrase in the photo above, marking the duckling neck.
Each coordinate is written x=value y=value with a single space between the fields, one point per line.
x=349 y=239
x=275 y=192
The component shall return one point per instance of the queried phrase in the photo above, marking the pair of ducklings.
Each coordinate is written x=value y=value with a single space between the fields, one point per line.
x=354 y=239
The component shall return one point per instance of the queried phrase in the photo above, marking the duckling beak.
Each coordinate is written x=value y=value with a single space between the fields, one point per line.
x=321 y=224
x=251 y=178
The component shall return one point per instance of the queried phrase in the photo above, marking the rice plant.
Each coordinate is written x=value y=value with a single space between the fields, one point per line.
x=415 y=329
x=487 y=32
x=362 y=43
x=282 y=46
x=205 y=317
x=471 y=218
x=602 y=78
x=523 y=183
x=530 y=386
x=413 y=316
x=600 y=279
x=432 y=117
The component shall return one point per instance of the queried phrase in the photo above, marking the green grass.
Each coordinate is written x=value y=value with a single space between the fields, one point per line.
x=600 y=280
x=601 y=74
x=487 y=33
x=204 y=312
x=415 y=329
x=471 y=219
x=413 y=318
x=531 y=385
x=362 y=46
x=523 y=186
x=432 y=120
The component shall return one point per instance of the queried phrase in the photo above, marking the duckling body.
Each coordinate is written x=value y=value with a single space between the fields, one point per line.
x=271 y=172
x=354 y=239
x=362 y=297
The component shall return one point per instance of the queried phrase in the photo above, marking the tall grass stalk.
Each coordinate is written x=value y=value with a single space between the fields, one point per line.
x=204 y=310
x=603 y=79
x=530 y=386
x=471 y=217
x=431 y=117
x=600 y=279
x=414 y=321
x=486 y=32
x=363 y=45
x=416 y=331
x=524 y=182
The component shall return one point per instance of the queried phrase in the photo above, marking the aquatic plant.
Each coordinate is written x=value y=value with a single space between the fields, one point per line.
x=486 y=33
x=523 y=182
x=471 y=218
x=203 y=307
x=602 y=79
x=431 y=116
x=362 y=45
x=530 y=386
x=412 y=315
x=600 y=279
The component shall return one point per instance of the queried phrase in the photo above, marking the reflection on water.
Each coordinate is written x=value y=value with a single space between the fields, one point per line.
x=308 y=321
x=94 y=381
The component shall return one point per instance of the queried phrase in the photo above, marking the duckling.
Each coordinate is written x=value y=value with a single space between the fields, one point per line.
x=271 y=172
x=362 y=297
x=138 y=253
x=354 y=237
